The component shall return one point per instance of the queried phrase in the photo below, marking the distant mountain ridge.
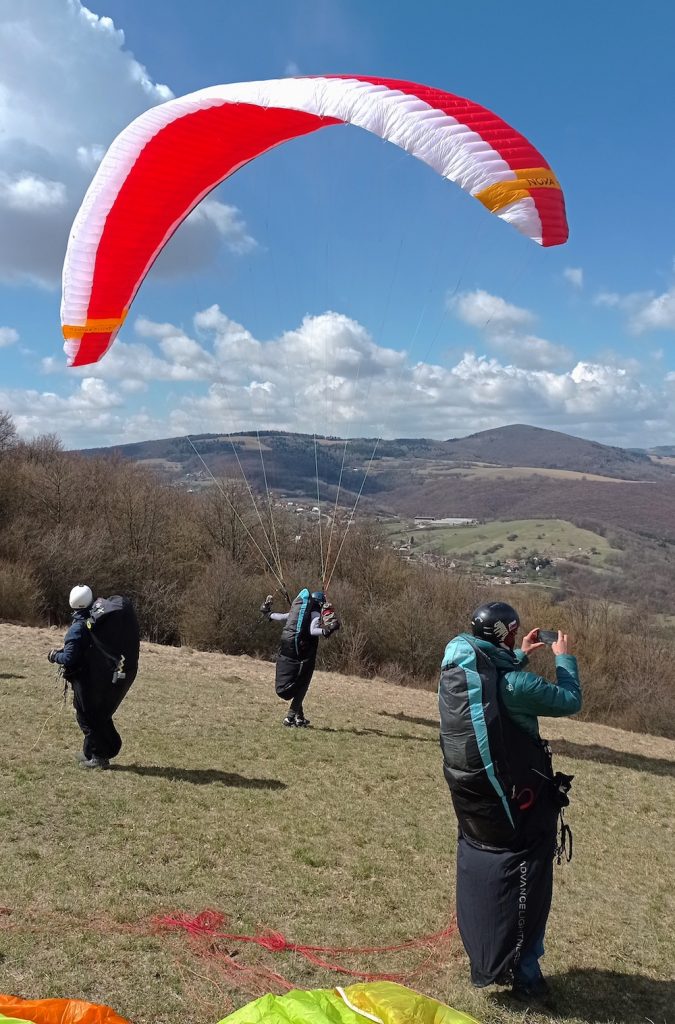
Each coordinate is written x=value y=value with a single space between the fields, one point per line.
x=510 y=472
x=522 y=445
x=513 y=445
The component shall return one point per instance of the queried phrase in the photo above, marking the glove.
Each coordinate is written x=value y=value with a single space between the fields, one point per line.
x=266 y=606
x=51 y=657
x=329 y=620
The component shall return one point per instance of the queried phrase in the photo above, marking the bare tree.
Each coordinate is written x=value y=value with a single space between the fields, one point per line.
x=8 y=436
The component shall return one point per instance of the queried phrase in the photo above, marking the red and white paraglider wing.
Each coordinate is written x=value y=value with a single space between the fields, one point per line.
x=167 y=160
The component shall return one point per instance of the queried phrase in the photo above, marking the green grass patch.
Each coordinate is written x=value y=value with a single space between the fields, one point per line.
x=553 y=538
x=342 y=834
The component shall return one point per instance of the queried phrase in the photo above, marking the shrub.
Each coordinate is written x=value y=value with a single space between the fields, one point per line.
x=194 y=565
x=20 y=599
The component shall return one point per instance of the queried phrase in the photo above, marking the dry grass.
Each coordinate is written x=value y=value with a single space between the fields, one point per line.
x=342 y=834
x=515 y=473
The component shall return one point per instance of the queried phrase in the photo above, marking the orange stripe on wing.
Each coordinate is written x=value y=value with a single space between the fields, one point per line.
x=496 y=197
x=94 y=326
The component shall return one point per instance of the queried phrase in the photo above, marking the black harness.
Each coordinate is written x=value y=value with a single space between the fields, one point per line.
x=501 y=778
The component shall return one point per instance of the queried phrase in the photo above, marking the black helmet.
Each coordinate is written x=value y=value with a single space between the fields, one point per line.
x=318 y=596
x=496 y=622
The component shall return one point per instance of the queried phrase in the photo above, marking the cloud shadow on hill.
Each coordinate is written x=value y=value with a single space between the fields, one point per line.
x=606 y=997
x=199 y=776
x=621 y=758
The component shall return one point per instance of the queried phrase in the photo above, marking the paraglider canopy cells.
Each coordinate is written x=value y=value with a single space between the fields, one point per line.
x=167 y=160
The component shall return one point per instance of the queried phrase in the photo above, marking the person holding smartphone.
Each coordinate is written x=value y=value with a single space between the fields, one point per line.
x=505 y=794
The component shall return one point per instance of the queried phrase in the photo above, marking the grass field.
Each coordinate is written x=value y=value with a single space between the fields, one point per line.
x=339 y=835
x=483 y=471
x=550 y=537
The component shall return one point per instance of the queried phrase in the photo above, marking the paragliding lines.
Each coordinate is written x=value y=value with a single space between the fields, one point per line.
x=208 y=926
x=277 y=574
x=269 y=507
x=318 y=505
x=253 y=501
x=353 y=511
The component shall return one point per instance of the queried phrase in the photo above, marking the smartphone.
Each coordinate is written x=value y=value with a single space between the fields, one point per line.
x=547 y=636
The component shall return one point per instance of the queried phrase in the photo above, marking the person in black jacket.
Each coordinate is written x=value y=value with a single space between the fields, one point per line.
x=309 y=618
x=95 y=696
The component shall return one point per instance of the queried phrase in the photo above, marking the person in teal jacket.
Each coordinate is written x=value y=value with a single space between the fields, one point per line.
x=505 y=794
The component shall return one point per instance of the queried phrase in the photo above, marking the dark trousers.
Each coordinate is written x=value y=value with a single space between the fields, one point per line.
x=503 y=903
x=95 y=704
x=292 y=680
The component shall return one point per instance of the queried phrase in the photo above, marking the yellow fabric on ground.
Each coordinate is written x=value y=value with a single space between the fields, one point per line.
x=380 y=1001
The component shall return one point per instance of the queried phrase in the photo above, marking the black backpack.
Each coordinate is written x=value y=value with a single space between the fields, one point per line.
x=115 y=640
x=496 y=771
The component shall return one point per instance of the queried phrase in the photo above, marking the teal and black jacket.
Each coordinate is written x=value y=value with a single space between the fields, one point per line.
x=298 y=642
x=494 y=760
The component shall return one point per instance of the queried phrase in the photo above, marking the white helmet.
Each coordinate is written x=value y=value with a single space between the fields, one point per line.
x=81 y=596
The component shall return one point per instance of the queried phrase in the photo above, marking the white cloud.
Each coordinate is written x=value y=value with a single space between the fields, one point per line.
x=227 y=221
x=503 y=326
x=611 y=300
x=575 y=276
x=90 y=156
x=482 y=310
x=531 y=351
x=151 y=329
x=646 y=311
x=292 y=69
x=68 y=86
x=29 y=193
x=8 y=336
x=88 y=415
x=328 y=375
x=658 y=314
x=133 y=387
x=87 y=410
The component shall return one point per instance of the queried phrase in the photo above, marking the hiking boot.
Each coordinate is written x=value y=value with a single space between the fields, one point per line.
x=94 y=762
x=301 y=722
x=290 y=720
x=537 y=991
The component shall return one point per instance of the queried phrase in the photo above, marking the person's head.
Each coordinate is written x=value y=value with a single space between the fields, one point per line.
x=81 y=597
x=318 y=596
x=497 y=623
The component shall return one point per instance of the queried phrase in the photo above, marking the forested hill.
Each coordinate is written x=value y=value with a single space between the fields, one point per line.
x=520 y=445
x=512 y=471
x=509 y=446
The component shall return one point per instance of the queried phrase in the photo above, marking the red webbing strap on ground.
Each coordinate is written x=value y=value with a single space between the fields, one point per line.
x=209 y=925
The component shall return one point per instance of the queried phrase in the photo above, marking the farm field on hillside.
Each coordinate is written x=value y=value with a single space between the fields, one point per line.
x=554 y=538
x=338 y=835
x=432 y=470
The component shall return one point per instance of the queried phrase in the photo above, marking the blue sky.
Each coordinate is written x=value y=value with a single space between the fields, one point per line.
x=379 y=298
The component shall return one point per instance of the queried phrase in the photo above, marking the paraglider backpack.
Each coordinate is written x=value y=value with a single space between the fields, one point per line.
x=496 y=771
x=115 y=639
